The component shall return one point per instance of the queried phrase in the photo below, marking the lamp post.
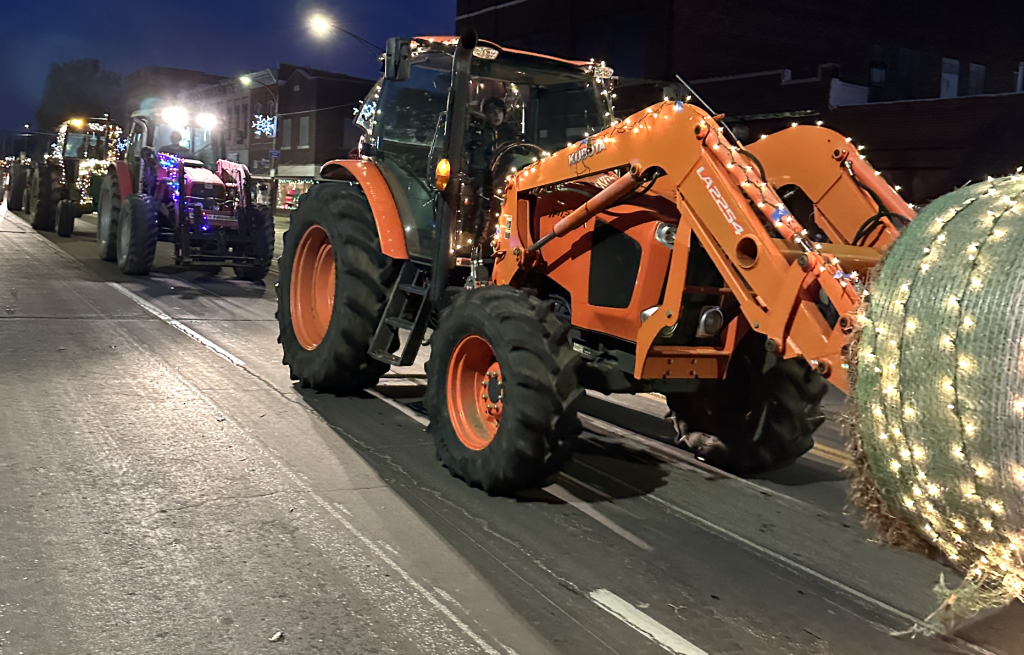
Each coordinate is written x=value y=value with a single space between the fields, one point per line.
x=322 y=26
x=247 y=81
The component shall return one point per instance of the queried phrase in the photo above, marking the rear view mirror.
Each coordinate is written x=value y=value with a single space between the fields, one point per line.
x=397 y=59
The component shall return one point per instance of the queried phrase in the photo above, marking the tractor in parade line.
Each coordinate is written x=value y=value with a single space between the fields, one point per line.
x=551 y=248
x=174 y=184
x=66 y=182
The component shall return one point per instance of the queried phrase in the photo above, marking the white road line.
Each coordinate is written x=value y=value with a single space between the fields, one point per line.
x=563 y=494
x=643 y=624
x=419 y=418
x=785 y=561
x=331 y=508
x=152 y=309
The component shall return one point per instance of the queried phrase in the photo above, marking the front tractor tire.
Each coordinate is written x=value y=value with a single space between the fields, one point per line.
x=334 y=282
x=44 y=194
x=501 y=390
x=261 y=228
x=138 y=230
x=65 y=217
x=759 y=418
x=107 y=213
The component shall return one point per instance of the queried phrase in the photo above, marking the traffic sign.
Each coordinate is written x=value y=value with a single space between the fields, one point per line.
x=275 y=154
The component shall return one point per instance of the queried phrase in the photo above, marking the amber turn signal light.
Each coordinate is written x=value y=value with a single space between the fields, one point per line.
x=442 y=173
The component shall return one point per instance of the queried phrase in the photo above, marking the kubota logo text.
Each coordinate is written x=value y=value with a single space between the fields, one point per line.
x=720 y=201
x=588 y=150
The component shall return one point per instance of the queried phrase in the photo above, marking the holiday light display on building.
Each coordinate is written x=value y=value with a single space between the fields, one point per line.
x=264 y=125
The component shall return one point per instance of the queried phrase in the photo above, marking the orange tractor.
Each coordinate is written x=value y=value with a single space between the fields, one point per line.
x=550 y=249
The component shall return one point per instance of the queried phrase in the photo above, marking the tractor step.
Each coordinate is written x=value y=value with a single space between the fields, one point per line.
x=407 y=309
x=412 y=288
x=400 y=323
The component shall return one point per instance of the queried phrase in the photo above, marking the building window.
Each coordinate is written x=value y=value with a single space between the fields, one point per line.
x=950 y=78
x=271 y=108
x=878 y=74
x=258 y=109
x=286 y=134
x=976 y=80
x=304 y=132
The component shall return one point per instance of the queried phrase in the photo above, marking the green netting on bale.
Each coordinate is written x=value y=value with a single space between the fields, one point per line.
x=939 y=392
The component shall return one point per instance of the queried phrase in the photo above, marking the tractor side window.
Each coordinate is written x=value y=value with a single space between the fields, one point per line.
x=135 y=144
x=404 y=129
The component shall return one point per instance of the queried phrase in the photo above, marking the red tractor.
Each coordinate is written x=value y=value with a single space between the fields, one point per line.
x=174 y=185
x=552 y=249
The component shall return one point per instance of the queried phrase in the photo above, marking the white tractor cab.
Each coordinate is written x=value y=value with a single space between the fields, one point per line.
x=174 y=184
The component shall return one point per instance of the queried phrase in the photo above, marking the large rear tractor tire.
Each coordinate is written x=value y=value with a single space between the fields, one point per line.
x=16 y=191
x=501 y=390
x=755 y=420
x=45 y=193
x=107 y=213
x=334 y=282
x=65 y=217
x=138 y=230
x=261 y=226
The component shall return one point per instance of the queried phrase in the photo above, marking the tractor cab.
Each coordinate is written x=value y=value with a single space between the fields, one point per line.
x=83 y=149
x=516 y=107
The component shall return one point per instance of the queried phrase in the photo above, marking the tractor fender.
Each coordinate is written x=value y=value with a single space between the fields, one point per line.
x=124 y=178
x=382 y=201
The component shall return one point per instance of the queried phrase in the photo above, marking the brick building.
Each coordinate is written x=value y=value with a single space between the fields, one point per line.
x=246 y=110
x=314 y=125
x=932 y=89
x=900 y=50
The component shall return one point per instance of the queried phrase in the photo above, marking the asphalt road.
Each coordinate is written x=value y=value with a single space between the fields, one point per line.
x=165 y=488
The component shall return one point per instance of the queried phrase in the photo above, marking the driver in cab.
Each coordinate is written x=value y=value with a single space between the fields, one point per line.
x=175 y=147
x=496 y=131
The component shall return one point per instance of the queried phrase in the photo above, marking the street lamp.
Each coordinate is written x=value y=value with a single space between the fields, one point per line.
x=322 y=26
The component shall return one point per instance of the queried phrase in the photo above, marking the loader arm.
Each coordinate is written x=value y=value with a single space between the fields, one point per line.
x=845 y=190
x=759 y=248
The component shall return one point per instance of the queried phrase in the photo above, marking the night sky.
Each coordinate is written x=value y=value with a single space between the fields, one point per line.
x=223 y=38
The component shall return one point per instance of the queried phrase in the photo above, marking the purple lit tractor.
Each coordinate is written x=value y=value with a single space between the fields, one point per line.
x=173 y=184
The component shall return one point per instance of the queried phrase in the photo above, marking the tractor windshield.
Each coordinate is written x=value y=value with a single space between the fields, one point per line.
x=546 y=103
x=79 y=145
x=187 y=142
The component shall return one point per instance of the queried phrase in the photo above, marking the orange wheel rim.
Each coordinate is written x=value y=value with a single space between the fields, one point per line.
x=475 y=392
x=312 y=287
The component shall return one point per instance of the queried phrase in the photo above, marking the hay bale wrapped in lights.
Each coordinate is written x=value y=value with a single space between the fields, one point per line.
x=939 y=392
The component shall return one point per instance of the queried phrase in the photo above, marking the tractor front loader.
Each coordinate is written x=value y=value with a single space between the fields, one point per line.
x=173 y=184
x=648 y=254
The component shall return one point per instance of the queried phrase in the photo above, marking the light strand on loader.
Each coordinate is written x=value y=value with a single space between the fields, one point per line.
x=772 y=208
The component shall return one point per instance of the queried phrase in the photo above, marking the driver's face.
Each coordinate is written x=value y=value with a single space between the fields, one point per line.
x=495 y=116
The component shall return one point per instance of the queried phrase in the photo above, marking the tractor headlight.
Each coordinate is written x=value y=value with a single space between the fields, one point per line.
x=665 y=233
x=206 y=121
x=175 y=115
